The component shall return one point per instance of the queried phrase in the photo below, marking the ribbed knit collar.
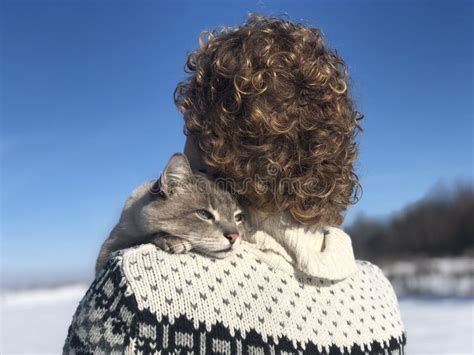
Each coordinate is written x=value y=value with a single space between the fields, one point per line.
x=324 y=252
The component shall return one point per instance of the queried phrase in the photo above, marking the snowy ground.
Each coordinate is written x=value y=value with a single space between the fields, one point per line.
x=36 y=322
x=439 y=325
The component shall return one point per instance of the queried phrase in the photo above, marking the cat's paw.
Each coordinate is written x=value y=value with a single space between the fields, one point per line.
x=172 y=244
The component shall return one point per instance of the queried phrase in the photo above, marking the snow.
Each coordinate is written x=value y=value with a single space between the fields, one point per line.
x=444 y=265
x=43 y=296
x=433 y=276
x=439 y=325
x=36 y=322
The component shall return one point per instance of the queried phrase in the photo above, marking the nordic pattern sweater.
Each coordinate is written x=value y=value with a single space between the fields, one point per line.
x=147 y=301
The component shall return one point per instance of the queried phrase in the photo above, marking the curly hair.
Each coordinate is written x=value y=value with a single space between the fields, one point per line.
x=269 y=100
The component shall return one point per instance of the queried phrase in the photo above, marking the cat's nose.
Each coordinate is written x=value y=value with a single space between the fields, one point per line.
x=232 y=237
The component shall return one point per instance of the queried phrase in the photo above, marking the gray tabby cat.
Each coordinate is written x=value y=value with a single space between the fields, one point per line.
x=179 y=212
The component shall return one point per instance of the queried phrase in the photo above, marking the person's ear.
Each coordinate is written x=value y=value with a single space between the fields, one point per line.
x=175 y=174
x=194 y=155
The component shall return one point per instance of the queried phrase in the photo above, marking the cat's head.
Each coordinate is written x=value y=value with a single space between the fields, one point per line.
x=192 y=207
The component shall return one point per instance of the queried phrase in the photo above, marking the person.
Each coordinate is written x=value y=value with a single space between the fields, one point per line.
x=267 y=106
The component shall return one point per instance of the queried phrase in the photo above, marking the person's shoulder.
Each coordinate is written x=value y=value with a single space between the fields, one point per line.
x=372 y=281
x=108 y=300
x=370 y=273
x=193 y=291
x=374 y=286
x=145 y=265
x=367 y=268
x=148 y=257
x=142 y=263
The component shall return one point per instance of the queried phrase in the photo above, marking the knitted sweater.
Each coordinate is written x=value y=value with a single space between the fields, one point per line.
x=264 y=299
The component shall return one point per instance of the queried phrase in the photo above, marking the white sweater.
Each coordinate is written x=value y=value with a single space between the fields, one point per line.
x=287 y=290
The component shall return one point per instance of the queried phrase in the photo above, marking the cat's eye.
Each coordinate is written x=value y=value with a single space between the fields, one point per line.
x=205 y=215
x=239 y=217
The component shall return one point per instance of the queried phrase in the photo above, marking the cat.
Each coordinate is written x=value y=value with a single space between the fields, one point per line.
x=179 y=212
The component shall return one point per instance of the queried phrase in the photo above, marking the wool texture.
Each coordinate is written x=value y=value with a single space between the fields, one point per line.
x=147 y=301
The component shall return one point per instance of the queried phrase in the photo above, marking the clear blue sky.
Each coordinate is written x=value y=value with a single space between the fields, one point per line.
x=87 y=109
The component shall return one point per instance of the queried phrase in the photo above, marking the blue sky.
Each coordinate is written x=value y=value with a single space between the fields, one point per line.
x=87 y=112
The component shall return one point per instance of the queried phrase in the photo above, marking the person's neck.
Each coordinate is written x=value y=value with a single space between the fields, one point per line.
x=319 y=251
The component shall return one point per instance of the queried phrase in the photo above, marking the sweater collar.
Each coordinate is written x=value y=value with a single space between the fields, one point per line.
x=318 y=251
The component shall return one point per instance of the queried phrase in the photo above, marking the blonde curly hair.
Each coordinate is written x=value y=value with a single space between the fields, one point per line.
x=269 y=99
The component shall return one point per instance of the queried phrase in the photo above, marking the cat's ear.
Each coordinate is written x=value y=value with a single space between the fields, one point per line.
x=177 y=171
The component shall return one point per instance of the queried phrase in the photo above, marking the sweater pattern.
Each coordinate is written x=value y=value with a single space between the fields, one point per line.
x=148 y=301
